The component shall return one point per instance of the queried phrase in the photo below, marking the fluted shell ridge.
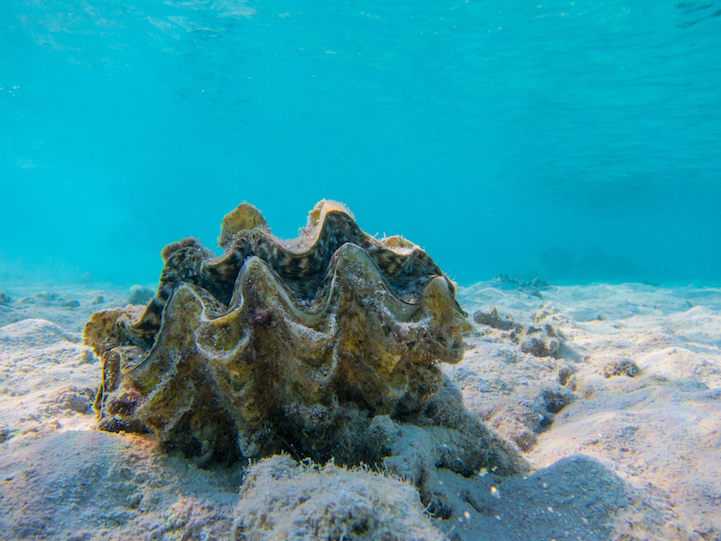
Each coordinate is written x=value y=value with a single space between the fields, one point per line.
x=242 y=218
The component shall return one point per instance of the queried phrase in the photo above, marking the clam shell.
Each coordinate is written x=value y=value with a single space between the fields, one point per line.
x=302 y=346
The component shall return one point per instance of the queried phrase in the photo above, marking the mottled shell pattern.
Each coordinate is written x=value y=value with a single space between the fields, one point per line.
x=279 y=345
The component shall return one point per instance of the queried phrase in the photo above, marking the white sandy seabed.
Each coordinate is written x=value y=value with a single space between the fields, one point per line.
x=623 y=428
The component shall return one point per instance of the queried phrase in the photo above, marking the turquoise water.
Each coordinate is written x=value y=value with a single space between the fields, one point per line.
x=573 y=141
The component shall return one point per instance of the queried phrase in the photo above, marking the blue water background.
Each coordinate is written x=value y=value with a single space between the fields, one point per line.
x=575 y=141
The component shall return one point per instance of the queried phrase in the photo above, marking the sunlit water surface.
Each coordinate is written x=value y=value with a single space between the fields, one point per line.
x=574 y=141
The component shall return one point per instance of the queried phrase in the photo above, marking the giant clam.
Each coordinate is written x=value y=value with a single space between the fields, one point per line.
x=324 y=346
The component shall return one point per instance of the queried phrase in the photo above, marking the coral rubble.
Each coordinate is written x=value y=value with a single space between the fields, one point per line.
x=539 y=341
x=325 y=346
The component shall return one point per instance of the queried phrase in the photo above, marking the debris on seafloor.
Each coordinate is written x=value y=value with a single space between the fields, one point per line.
x=325 y=346
x=542 y=341
x=534 y=287
x=621 y=367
